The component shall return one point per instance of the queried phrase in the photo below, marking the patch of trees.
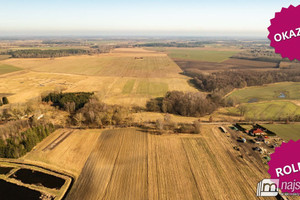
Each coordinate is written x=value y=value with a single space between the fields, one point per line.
x=17 y=146
x=38 y=53
x=69 y=101
x=167 y=125
x=97 y=114
x=225 y=81
x=186 y=104
x=4 y=101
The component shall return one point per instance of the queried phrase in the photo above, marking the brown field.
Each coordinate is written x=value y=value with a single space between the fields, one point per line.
x=249 y=64
x=126 y=64
x=133 y=50
x=231 y=63
x=116 y=78
x=130 y=164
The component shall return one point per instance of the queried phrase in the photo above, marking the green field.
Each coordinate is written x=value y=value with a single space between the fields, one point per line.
x=247 y=127
x=267 y=92
x=200 y=54
x=8 y=68
x=285 y=131
x=152 y=88
x=128 y=87
x=274 y=110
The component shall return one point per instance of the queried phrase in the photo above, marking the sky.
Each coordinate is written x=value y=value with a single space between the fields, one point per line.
x=138 y=17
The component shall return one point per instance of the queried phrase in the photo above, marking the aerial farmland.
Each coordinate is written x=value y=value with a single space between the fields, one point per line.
x=136 y=122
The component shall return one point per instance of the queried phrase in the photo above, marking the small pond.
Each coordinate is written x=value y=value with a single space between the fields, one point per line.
x=5 y=170
x=10 y=191
x=38 y=178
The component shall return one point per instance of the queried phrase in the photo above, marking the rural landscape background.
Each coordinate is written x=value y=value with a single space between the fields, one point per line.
x=141 y=107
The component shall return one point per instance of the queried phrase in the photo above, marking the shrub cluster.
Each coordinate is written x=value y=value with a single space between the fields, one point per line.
x=4 y=101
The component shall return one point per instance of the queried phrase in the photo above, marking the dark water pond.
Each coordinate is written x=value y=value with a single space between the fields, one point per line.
x=5 y=170
x=38 y=178
x=10 y=191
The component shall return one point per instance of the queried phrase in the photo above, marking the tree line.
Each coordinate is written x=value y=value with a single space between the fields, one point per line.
x=17 y=146
x=225 y=81
x=194 y=104
x=38 y=53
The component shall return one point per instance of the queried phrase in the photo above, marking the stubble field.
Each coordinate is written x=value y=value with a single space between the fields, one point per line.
x=125 y=76
x=131 y=164
x=65 y=149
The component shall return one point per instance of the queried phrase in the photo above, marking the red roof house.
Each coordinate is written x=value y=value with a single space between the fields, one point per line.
x=258 y=131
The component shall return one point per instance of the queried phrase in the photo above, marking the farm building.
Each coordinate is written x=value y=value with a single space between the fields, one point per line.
x=256 y=132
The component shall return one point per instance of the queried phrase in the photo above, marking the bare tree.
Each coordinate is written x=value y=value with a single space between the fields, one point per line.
x=242 y=110
x=79 y=118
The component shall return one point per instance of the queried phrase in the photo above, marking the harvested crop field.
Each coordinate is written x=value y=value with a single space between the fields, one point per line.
x=115 y=64
x=127 y=77
x=69 y=154
x=130 y=164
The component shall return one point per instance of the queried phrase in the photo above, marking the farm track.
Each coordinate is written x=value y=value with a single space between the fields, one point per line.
x=57 y=141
